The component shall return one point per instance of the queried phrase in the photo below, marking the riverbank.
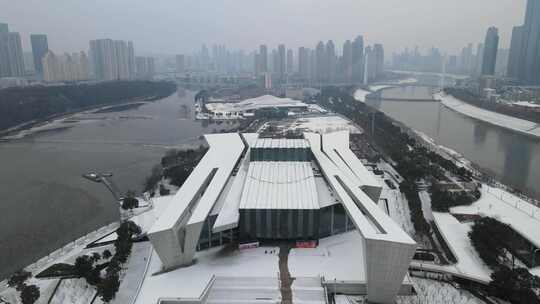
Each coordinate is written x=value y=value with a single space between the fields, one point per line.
x=58 y=121
x=521 y=126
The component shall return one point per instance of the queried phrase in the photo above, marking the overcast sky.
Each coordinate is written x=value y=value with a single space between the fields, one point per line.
x=179 y=26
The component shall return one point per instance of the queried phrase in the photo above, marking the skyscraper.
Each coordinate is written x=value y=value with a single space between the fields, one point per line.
x=290 y=61
x=11 y=54
x=39 y=48
x=4 y=28
x=347 y=61
x=530 y=52
x=479 y=59
x=281 y=63
x=358 y=59
x=378 y=51
x=320 y=59
x=515 y=52
x=330 y=61
x=491 y=46
x=263 y=58
x=113 y=59
x=180 y=64
x=303 y=63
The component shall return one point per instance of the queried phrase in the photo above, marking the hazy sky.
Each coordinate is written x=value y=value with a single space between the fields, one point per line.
x=179 y=26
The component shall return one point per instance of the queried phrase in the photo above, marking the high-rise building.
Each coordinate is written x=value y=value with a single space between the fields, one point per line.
x=290 y=61
x=491 y=46
x=65 y=68
x=530 y=52
x=40 y=47
x=180 y=64
x=113 y=59
x=303 y=63
x=281 y=67
x=515 y=52
x=347 y=61
x=479 y=59
x=378 y=51
x=320 y=59
x=263 y=58
x=358 y=59
x=11 y=54
x=331 y=61
x=501 y=65
x=145 y=67
x=4 y=28
x=524 y=58
x=131 y=60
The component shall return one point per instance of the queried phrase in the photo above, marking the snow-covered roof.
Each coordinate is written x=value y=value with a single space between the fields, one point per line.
x=279 y=185
x=229 y=215
x=336 y=146
x=369 y=219
x=274 y=143
x=265 y=101
x=200 y=191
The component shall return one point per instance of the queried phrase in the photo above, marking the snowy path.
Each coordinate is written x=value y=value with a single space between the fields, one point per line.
x=504 y=121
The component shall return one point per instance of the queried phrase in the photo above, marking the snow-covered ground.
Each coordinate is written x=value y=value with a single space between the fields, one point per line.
x=322 y=124
x=507 y=208
x=516 y=124
x=425 y=198
x=456 y=236
x=73 y=291
x=360 y=95
x=337 y=257
x=433 y=292
x=189 y=282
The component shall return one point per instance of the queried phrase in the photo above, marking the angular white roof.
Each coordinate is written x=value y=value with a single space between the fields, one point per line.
x=275 y=143
x=265 y=101
x=214 y=168
x=279 y=185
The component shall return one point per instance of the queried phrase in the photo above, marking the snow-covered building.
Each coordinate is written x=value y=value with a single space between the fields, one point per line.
x=249 y=189
x=250 y=107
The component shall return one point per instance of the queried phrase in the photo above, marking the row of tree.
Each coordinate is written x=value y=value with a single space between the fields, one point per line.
x=495 y=242
x=19 y=105
x=105 y=276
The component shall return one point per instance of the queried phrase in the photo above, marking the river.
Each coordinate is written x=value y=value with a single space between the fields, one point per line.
x=512 y=158
x=45 y=203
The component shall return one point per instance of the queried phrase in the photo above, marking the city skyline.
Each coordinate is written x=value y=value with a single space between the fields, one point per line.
x=221 y=23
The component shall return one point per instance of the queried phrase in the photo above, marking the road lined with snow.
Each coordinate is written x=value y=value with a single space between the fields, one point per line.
x=522 y=126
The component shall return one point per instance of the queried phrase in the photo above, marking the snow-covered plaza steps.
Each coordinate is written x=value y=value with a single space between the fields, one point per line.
x=244 y=290
x=308 y=290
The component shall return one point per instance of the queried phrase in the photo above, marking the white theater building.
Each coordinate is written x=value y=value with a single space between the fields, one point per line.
x=248 y=189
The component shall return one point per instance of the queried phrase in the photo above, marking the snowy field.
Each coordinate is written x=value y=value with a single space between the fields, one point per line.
x=189 y=282
x=433 y=292
x=456 y=236
x=520 y=125
x=322 y=124
x=337 y=257
x=507 y=208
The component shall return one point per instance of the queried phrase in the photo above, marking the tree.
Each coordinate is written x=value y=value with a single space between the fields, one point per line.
x=108 y=287
x=106 y=254
x=83 y=266
x=130 y=202
x=29 y=294
x=96 y=256
x=18 y=278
